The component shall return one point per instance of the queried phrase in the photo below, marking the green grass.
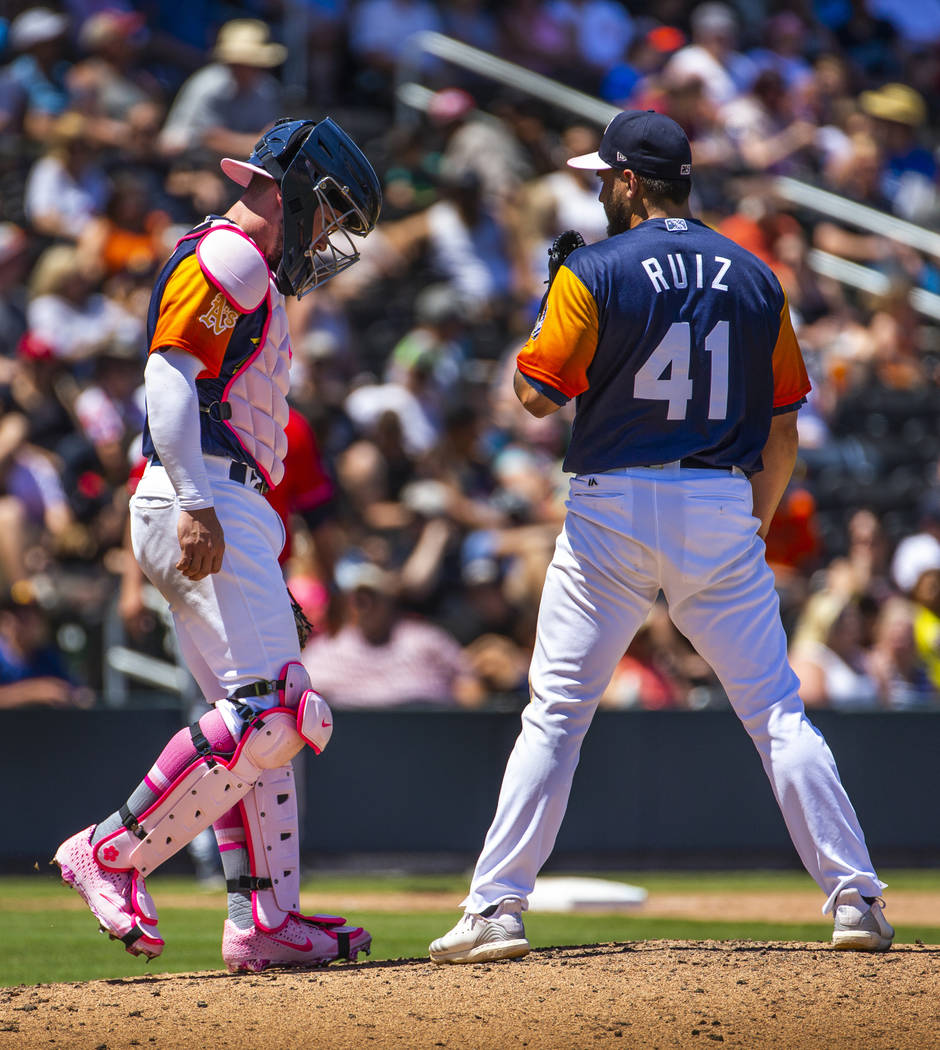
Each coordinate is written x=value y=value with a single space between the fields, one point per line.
x=41 y=941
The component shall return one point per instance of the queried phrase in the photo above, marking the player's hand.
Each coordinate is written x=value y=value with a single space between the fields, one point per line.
x=202 y=543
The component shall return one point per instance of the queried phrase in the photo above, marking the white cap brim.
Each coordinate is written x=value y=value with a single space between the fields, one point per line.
x=589 y=162
x=241 y=171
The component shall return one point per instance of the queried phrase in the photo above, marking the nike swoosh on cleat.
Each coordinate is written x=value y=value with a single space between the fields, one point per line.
x=325 y=725
x=305 y=947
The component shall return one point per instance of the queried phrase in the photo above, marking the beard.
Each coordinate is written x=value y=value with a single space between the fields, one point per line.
x=618 y=217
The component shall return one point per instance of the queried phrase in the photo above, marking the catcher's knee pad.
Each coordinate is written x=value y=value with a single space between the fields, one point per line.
x=201 y=794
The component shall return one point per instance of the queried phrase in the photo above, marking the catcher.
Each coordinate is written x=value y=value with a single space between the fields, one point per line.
x=216 y=382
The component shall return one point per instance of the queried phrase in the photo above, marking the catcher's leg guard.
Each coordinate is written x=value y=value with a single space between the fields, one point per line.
x=269 y=815
x=211 y=785
x=201 y=794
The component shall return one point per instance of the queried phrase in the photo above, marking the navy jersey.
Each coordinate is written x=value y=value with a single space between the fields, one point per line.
x=676 y=343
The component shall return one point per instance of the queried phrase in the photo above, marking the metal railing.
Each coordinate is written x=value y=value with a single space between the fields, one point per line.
x=866 y=279
x=484 y=64
x=414 y=96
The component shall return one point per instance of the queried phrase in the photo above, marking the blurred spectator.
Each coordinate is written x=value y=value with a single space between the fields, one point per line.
x=14 y=265
x=110 y=410
x=227 y=105
x=828 y=657
x=67 y=315
x=477 y=143
x=109 y=86
x=640 y=680
x=379 y=32
x=925 y=594
x=130 y=235
x=437 y=344
x=566 y=199
x=33 y=670
x=909 y=173
x=901 y=673
x=920 y=551
x=67 y=186
x=764 y=130
x=785 y=49
x=711 y=56
x=533 y=36
x=36 y=78
x=466 y=244
x=382 y=658
x=632 y=78
x=868 y=40
x=599 y=31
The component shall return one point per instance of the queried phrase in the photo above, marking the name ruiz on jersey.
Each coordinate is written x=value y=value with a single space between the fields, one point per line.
x=676 y=273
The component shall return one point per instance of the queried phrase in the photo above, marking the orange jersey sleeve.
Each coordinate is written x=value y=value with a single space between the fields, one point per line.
x=791 y=383
x=563 y=343
x=195 y=316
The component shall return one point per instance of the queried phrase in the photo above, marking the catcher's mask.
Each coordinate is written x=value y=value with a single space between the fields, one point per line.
x=318 y=167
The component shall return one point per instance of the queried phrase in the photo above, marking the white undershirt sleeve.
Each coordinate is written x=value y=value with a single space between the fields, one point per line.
x=173 y=416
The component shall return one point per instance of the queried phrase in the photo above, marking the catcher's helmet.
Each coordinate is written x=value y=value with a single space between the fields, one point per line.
x=317 y=167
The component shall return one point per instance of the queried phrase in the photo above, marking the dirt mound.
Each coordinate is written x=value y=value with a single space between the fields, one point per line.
x=646 y=994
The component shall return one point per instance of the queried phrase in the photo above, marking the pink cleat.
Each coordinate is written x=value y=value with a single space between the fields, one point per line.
x=118 y=899
x=302 y=940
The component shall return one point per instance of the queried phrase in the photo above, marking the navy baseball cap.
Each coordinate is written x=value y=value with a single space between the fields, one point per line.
x=648 y=143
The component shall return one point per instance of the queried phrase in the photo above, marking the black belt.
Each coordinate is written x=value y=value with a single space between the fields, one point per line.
x=239 y=472
x=700 y=464
x=246 y=475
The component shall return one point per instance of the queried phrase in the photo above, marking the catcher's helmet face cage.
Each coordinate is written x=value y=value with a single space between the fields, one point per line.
x=319 y=169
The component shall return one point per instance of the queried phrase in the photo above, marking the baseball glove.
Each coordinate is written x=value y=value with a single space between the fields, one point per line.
x=562 y=246
x=303 y=625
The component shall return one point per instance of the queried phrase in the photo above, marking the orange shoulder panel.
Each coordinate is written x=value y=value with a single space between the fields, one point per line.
x=791 y=383
x=563 y=343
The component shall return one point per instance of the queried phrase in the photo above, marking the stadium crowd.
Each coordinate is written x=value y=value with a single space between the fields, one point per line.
x=419 y=544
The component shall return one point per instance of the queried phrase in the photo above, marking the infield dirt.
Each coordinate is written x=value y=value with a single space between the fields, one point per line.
x=644 y=994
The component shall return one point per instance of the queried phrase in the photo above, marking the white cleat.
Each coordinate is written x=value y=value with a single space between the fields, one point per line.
x=484 y=938
x=860 y=925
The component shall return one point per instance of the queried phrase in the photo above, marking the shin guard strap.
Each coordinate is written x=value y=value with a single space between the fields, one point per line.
x=246 y=884
x=130 y=822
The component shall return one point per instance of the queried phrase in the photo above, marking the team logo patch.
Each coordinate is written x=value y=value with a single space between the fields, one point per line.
x=220 y=317
x=676 y=224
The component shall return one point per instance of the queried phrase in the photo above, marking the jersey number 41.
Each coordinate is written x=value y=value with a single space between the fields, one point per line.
x=673 y=355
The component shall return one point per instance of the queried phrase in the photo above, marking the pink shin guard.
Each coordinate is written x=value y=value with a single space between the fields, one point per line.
x=201 y=793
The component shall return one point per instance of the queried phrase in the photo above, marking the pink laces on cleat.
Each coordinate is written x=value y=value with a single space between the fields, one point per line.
x=302 y=940
x=118 y=899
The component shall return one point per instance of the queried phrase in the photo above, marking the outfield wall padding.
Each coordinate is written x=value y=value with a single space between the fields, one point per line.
x=650 y=784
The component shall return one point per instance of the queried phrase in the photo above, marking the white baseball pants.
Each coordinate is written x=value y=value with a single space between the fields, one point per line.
x=691 y=533
x=235 y=626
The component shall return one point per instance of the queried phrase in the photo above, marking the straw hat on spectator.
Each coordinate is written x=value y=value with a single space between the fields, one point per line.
x=895 y=102
x=247 y=42
x=55 y=268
